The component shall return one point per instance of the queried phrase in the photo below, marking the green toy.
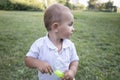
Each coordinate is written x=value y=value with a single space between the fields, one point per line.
x=59 y=74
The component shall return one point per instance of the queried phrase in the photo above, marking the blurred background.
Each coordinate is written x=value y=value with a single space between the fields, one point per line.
x=40 y=5
x=96 y=37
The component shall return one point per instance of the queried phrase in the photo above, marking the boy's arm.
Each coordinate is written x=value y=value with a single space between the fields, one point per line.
x=70 y=74
x=74 y=66
x=42 y=66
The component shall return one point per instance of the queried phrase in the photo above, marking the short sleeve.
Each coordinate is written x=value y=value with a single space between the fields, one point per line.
x=33 y=51
x=74 y=56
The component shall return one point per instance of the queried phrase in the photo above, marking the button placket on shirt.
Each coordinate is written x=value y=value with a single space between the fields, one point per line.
x=56 y=52
x=58 y=61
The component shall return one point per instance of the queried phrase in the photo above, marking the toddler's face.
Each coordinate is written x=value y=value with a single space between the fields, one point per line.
x=66 y=29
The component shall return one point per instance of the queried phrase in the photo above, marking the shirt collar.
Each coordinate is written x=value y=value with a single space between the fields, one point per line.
x=52 y=46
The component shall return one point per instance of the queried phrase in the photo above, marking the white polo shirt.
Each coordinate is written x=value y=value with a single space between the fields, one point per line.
x=43 y=49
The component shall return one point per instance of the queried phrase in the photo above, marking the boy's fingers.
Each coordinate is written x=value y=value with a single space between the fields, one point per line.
x=42 y=71
x=46 y=70
x=50 y=70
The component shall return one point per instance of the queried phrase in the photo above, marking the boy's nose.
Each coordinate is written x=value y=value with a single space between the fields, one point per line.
x=73 y=29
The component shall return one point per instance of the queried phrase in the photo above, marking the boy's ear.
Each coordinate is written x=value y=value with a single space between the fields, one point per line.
x=55 y=27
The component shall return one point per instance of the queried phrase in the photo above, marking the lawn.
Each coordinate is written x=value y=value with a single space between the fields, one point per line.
x=96 y=37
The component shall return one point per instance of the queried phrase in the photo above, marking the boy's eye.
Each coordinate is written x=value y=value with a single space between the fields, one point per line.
x=70 y=24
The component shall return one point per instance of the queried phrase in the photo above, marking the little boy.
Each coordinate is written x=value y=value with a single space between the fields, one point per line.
x=55 y=51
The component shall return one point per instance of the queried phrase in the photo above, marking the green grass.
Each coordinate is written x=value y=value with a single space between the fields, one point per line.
x=97 y=40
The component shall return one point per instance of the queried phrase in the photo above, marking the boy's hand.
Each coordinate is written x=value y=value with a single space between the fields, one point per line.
x=68 y=75
x=44 y=67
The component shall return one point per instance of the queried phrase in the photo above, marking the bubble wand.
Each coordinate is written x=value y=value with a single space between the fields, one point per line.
x=59 y=74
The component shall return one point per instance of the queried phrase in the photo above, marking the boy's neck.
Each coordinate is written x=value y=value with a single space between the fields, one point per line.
x=55 y=40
